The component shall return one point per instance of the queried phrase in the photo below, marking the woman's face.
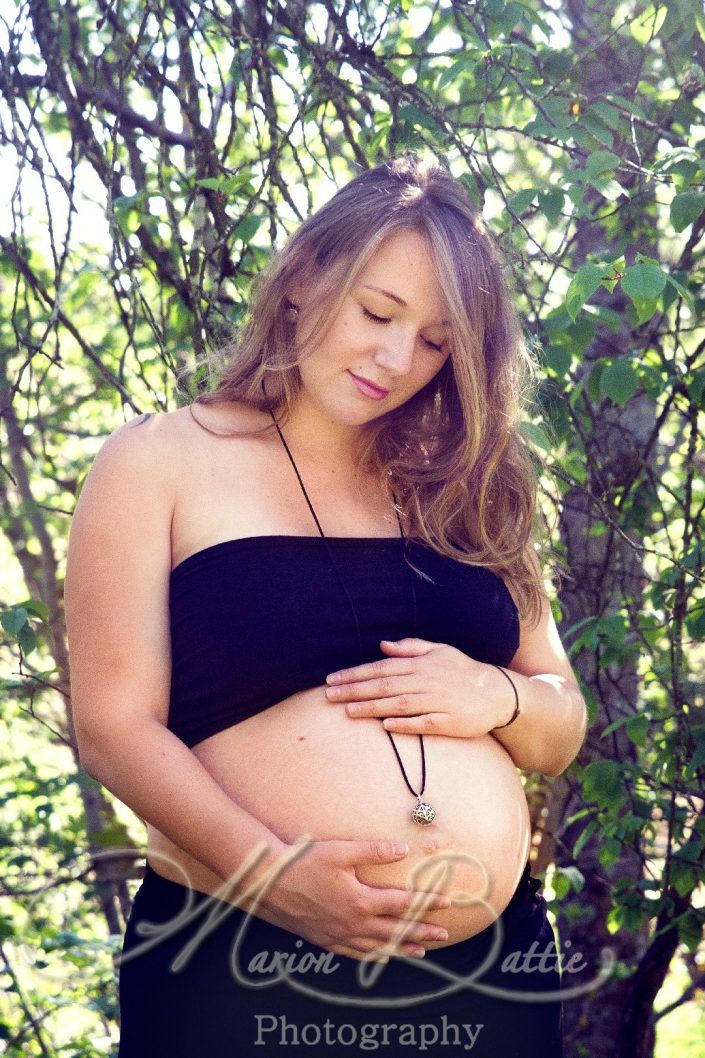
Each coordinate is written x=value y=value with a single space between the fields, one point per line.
x=389 y=331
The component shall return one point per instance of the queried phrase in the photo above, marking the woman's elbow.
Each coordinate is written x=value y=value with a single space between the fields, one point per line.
x=87 y=756
x=562 y=763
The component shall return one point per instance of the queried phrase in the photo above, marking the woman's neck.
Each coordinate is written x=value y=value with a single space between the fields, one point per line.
x=332 y=446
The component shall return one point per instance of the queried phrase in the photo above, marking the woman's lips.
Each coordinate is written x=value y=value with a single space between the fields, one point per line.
x=368 y=388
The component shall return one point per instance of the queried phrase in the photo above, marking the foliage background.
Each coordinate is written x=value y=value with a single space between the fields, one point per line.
x=155 y=152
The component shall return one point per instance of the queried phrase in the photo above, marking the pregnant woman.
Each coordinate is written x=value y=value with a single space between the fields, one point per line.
x=310 y=647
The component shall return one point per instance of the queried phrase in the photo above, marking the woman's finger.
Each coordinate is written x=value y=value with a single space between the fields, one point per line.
x=403 y=706
x=421 y=724
x=373 y=669
x=386 y=687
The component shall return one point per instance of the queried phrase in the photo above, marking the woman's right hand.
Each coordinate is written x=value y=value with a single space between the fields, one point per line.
x=319 y=897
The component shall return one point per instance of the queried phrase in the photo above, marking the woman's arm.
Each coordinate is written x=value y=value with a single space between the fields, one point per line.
x=151 y=770
x=117 y=610
x=432 y=688
x=550 y=729
x=116 y=597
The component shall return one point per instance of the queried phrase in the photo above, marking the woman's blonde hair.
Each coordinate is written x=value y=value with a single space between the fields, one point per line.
x=461 y=471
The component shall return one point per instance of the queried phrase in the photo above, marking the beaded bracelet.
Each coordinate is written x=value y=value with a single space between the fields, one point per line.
x=517 y=711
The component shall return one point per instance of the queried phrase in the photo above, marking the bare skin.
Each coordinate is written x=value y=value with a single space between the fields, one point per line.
x=341 y=778
x=302 y=770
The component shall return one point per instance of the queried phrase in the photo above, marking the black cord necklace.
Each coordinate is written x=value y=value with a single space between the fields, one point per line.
x=423 y=813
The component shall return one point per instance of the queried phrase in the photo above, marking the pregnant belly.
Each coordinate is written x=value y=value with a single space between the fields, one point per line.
x=307 y=770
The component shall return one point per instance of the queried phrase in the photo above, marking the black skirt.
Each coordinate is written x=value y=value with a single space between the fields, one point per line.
x=224 y=984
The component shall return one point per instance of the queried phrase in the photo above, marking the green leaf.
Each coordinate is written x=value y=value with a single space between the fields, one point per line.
x=521 y=200
x=647 y=23
x=608 y=187
x=558 y=358
x=645 y=281
x=697 y=387
x=695 y=621
x=641 y=310
x=37 y=608
x=582 y=286
x=560 y=885
x=684 y=879
x=7 y=930
x=536 y=436
x=470 y=184
x=683 y=291
x=630 y=105
x=619 y=381
x=278 y=56
x=610 y=852
x=613 y=628
x=551 y=204
x=637 y=729
x=602 y=783
x=406 y=135
x=600 y=162
x=467 y=63
x=247 y=228
x=690 y=928
x=584 y=837
x=27 y=639
x=698 y=758
x=114 y=836
x=619 y=722
x=593 y=381
x=610 y=115
x=581 y=333
x=593 y=127
x=129 y=210
x=13 y=621
x=229 y=185
x=415 y=116
x=378 y=132
x=571 y=876
x=686 y=208
x=606 y=315
x=579 y=814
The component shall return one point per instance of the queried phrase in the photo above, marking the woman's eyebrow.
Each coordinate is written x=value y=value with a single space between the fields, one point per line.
x=400 y=301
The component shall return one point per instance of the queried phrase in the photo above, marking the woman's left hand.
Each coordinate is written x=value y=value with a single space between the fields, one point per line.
x=424 y=688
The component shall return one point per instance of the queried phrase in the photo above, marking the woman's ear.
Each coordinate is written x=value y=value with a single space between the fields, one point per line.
x=293 y=295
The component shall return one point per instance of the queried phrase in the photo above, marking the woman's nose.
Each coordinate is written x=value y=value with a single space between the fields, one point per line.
x=396 y=354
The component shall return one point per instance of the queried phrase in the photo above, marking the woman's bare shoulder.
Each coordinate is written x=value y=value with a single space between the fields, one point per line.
x=235 y=412
x=159 y=451
x=219 y=418
x=183 y=425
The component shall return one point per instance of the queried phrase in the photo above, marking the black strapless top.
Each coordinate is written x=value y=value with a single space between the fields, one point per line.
x=256 y=619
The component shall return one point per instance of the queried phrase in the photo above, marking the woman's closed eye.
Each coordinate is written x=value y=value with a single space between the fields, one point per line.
x=385 y=319
x=377 y=319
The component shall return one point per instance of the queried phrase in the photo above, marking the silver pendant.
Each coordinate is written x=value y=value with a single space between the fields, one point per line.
x=423 y=813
